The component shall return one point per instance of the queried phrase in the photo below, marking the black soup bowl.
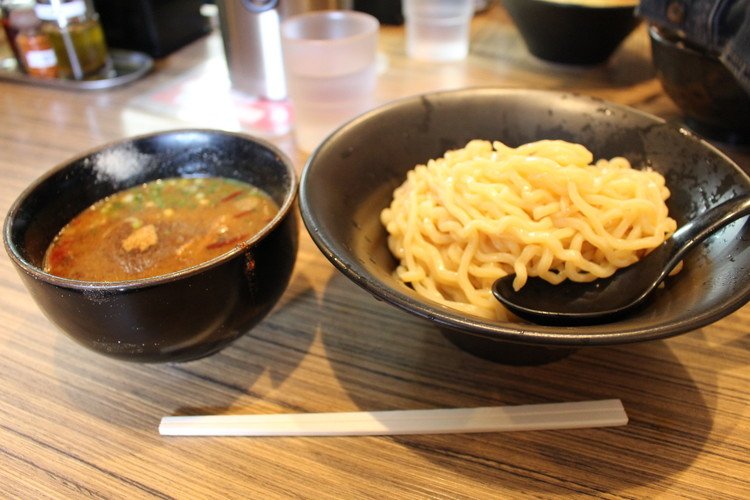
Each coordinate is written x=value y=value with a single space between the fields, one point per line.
x=179 y=316
x=712 y=100
x=350 y=178
x=573 y=32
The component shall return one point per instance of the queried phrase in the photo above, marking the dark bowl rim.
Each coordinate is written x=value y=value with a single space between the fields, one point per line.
x=37 y=273
x=667 y=38
x=524 y=333
x=572 y=5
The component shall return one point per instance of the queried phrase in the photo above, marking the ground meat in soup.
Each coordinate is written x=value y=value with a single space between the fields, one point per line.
x=157 y=228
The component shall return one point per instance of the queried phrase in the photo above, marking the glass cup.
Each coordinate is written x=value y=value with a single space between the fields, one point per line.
x=331 y=70
x=438 y=30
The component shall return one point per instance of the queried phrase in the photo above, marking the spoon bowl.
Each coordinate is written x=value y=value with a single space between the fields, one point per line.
x=609 y=299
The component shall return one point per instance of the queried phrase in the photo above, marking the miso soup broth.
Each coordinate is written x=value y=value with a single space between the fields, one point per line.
x=158 y=228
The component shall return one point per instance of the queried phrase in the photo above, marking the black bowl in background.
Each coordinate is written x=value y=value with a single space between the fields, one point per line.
x=713 y=101
x=350 y=178
x=571 y=33
x=179 y=316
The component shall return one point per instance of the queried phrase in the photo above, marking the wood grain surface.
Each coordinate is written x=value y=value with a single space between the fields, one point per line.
x=76 y=424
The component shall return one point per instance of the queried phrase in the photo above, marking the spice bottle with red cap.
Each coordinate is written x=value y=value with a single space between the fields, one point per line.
x=35 y=51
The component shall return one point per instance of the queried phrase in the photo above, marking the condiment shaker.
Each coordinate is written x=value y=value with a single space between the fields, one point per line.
x=6 y=8
x=74 y=29
x=35 y=51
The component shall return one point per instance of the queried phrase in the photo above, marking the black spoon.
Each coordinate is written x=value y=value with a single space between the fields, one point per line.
x=607 y=299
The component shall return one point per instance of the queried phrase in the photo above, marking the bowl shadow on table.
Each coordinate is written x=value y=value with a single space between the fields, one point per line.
x=123 y=393
x=391 y=360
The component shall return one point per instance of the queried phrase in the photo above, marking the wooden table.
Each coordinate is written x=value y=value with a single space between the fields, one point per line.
x=76 y=424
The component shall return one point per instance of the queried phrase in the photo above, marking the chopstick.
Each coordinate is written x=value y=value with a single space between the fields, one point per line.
x=601 y=413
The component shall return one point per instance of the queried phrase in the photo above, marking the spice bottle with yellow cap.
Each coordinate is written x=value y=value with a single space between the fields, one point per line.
x=74 y=30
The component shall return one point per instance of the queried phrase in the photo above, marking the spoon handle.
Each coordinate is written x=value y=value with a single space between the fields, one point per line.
x=700 y=228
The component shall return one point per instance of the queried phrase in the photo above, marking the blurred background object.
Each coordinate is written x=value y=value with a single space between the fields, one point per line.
x=156 y=27
x=712 y=100
x=390 y=12
x=719 y=28
x=438 y=30
x=6 y=9
x=74 y=30
x=701 y=52
x=252 y=42
x=34 y=48
x=330 y=63
x=582 y=32
x=386 y=11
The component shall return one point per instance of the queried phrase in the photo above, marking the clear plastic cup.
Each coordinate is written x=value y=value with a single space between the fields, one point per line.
x=330 y=61
x=438 y=30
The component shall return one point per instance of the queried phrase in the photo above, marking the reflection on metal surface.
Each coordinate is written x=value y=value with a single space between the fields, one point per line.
x=126 y=66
